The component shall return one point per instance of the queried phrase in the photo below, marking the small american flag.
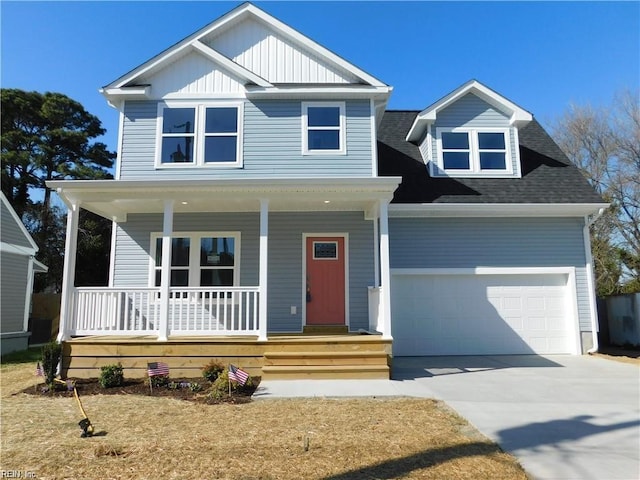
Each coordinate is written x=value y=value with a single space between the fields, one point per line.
x=157 y=368
x=39 y=371
x=238 y=375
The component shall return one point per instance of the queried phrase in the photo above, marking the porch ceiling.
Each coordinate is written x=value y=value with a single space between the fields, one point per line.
x=115 y=199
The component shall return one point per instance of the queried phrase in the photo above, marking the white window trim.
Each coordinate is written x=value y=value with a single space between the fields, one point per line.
x=194 y=256
x=199 y=134
x=342 y=150
x=474 y=154
x=337 y=257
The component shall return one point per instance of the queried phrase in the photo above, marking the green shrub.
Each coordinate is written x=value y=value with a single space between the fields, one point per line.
x=51 y=353
x=159 y=381
x=111 y=376
x=212 y=370
x=221 y=386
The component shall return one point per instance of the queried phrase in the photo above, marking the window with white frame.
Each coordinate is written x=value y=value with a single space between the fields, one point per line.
x=199 y=259
x=323 y=128
x=199 y=135
x=474 y=151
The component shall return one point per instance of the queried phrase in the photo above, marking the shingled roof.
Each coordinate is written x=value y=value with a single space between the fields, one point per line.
x=547 y=174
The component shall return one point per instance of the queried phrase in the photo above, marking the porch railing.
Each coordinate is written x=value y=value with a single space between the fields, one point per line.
x=136 y=311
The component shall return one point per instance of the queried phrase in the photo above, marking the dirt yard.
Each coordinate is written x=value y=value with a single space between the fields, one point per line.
x=139 y=436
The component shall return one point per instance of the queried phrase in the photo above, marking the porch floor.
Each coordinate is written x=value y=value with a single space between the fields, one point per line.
x=282 y=356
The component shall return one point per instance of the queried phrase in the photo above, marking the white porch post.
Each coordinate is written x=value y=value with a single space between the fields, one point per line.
x=165 y=276
x=264 y=262
x=376 y=251
x=385 y=273
x=69 y=271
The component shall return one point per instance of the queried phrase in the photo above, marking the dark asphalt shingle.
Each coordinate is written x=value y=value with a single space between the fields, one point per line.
x=547 y=175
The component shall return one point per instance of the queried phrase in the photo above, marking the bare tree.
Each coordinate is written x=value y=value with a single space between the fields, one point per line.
x=604 y=143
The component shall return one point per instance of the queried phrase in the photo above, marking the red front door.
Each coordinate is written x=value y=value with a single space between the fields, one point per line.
x=325 y=281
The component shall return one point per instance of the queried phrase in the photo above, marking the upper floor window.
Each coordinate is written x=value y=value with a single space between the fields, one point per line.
x=474 y=150
x=199 y=135
x=323 y=128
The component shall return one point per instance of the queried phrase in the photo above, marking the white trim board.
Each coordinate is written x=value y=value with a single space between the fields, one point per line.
x=493 y=210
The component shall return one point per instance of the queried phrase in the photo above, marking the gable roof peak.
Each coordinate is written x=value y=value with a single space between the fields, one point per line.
x=201 y=43
x=517 y=115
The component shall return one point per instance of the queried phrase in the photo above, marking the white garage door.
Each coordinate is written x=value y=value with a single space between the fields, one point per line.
x=481 y=315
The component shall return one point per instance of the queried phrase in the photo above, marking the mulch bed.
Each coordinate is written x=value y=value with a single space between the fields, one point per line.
x=91 y=386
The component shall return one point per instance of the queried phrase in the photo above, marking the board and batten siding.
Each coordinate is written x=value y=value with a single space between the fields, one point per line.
x=267 y=53
x=285 y=283
x=272 y=145
x=484 y=242
x=192 y=74
x=14 y=277
x=471 y=112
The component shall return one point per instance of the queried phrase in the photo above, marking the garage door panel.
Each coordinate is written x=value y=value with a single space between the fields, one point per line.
x=480 y=314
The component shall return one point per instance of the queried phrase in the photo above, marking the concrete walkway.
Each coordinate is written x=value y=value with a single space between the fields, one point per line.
x=564 y=417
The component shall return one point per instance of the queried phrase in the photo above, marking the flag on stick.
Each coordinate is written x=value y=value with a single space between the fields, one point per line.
x=39 y=371
x=157 y=368
x=238 y=375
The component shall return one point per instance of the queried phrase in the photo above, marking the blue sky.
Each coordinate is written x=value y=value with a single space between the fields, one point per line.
x=541 y=55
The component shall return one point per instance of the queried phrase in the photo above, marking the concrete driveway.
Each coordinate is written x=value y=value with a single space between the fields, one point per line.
x=564 y=417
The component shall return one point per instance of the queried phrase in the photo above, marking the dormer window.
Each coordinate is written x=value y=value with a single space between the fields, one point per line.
x=323 y=128
x=473 y=151
x=199 y=135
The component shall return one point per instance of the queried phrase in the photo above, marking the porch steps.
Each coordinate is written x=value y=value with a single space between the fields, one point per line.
x=325 y=330
x=326 y=372
x=361 y=364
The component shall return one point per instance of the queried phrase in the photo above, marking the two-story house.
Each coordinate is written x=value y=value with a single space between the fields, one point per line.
x=267 y=210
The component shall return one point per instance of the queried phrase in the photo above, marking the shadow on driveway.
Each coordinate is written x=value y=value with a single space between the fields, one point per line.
x=411 y=368
x=554 y=432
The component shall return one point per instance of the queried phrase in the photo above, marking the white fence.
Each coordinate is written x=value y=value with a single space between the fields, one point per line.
x=137 y=311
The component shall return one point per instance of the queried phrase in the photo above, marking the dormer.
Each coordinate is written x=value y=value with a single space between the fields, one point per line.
x=472 y=132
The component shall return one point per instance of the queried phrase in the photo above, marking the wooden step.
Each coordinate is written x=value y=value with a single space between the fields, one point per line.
x=326 y=372
x=326 y=358
x=325 y=329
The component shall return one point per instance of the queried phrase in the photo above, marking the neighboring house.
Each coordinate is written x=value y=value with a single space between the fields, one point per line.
x=17 y=266
x=262 y=191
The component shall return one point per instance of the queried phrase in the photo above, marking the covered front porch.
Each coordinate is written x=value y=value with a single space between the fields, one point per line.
x=265 y=291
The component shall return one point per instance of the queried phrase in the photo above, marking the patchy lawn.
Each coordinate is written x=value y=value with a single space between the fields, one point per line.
x=146 y=437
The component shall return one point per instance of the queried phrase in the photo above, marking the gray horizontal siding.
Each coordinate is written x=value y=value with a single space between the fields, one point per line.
x=483 y=242
x=472 y=112
x=14 y=275
x=272 y=146
x=131 y=262
x=285 y=264
x=10 y=231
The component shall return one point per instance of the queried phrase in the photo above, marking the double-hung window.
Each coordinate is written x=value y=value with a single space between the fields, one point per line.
x=323 y=128
x=199 y=259
x=474 y=151
x=199 y=135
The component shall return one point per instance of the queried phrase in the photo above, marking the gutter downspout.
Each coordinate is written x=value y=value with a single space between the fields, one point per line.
x=588 y=221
